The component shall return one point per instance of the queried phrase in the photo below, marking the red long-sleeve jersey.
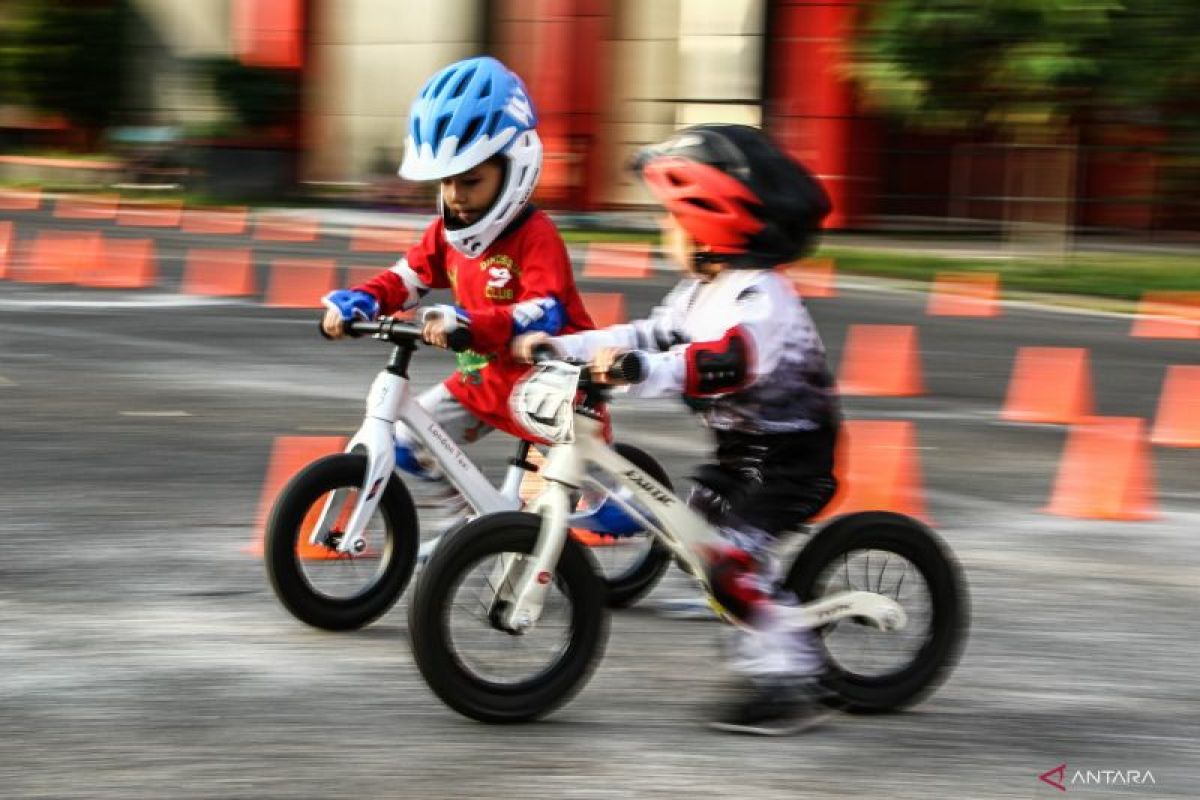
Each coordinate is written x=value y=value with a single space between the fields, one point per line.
x=527 y=263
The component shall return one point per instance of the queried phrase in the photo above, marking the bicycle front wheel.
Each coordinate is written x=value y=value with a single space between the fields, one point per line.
x=460 y=642
x=317 y=584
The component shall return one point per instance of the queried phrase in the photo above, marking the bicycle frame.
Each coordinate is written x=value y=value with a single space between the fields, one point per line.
x=390 y=400
x=525 y=579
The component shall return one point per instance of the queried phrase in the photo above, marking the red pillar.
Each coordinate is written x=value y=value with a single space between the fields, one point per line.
x=558 y=49
x=810 y=106
x=269 y=33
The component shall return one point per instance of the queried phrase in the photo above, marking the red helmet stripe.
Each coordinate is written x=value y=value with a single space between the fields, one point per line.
x=711 y=205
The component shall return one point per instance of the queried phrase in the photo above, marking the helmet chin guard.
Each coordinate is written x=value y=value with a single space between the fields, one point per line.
x=544 y=401
x=524 y=165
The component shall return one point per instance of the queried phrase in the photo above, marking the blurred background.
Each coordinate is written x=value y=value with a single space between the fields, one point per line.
x=182 y=180
x=942 y=115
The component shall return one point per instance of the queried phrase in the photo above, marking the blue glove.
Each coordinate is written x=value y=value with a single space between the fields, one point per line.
x=545 y=314
x=352 y=304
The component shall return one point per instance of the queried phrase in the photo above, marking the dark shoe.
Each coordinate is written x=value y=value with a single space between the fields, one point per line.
x=773 y=710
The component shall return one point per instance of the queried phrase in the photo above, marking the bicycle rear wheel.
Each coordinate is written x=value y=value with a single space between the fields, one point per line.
x=894 y=555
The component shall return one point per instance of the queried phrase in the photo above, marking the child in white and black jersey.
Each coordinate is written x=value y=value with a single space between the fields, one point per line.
x=739 y=346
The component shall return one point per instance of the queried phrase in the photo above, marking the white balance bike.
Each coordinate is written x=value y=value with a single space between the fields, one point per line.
x=343 y=536
x=508 y=618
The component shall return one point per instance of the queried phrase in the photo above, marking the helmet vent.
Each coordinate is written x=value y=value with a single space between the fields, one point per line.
x=440 y=85
x=702 y=203
x=462 y=84
x=472 y=130
x=493 y=123
x=440 y=131
x=416 y=133
x=485 y=90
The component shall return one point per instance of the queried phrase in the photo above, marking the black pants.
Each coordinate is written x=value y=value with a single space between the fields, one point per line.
x=773 y=482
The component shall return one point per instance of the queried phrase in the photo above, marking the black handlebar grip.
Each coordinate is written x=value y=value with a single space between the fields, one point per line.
x=627 y=368
x=459 y=339
x=542 y=352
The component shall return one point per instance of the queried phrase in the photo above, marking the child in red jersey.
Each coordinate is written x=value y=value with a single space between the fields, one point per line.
x=472 y=129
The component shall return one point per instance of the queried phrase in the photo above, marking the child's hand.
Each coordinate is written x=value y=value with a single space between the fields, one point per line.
x=434 y=330
x=331 y=324
x=602 y=362
x=345 y=305
x=522 y=346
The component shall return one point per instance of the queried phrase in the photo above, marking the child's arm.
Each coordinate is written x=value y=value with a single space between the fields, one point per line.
x=403 y=285
x=658 y=332
x=748 y=351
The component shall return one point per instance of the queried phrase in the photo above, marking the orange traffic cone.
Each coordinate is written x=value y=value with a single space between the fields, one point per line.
x=1168 y=315
x=605 y=308
x=813 y=277
x=6 y=247
x=279 y=228
x=381 y=240
x=630 y=261
x=96 y=206
x=219 y=272
x=300 y=282
x=223 y=222
x=877 y=469
x=1178 y=421
x=60 y=256
x=881 y=361
x=288 y=456
x=150 y=215
x=24 y=200
x=1049 y=384
x=1105 y=472
x=964 y=294
x=122 y=264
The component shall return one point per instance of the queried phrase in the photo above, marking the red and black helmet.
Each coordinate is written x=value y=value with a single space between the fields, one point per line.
x=733 y=190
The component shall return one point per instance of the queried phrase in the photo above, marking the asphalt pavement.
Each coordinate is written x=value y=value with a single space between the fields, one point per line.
x=144 y=655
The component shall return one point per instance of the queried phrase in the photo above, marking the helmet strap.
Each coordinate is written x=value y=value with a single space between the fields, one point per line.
x=703 y=262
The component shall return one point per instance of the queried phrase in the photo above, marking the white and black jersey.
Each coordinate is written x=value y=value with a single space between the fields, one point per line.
x=741 y=349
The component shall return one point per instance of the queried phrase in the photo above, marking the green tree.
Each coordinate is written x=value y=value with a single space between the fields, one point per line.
x=1017 y=66
x=1033 y=71
x=68 y=58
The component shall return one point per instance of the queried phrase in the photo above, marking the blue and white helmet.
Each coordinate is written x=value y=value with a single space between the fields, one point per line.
x=465 y=114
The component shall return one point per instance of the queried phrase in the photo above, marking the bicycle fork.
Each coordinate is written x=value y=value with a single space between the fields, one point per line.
x=374 y=440
x=521 y=580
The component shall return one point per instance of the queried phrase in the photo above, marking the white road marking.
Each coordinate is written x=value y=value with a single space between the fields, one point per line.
x=141 y=301
x=6 y=382
x=156 y=414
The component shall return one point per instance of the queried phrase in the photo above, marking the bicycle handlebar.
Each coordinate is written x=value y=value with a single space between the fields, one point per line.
x=397 y=331
x=626 y=369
